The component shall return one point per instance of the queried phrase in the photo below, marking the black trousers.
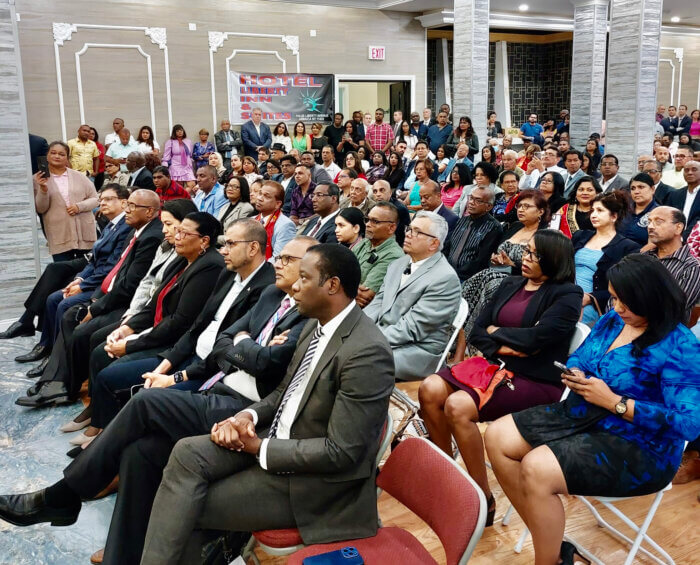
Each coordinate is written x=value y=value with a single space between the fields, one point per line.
x=55 y=277
x=136 y=445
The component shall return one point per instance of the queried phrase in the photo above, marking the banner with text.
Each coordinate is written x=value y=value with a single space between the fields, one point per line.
x=282 y=97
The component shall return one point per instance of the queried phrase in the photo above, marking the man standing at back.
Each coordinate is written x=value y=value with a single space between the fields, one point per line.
x=117 y=126
x=439 y=133
x=84 y=154
x=379 y=136
x=119 y=151
x=227 y=142
x=255 y=134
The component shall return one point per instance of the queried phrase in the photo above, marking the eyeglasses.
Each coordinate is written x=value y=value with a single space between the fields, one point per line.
x=285 y=259
x=318 y=195
x=107 y=199
x=478 y=200
x=525 y=206
x=184 y=233
x=547 y=181
x=414 y=232
x=131 y=206
x=531 y=255
x=375 y=222
x=230 y=244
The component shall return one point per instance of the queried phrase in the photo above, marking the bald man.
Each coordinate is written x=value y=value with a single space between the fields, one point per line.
x=67 y=367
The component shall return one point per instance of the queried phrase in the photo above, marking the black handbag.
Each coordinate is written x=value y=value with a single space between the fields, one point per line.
x=225 y=548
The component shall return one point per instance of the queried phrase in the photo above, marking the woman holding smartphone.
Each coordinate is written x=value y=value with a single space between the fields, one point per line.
x=635 y=400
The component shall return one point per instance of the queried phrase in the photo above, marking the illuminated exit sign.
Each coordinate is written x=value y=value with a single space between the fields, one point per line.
x=376 y=53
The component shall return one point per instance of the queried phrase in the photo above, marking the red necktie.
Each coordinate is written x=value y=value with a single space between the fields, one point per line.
x=113 y=273
x=158 y=318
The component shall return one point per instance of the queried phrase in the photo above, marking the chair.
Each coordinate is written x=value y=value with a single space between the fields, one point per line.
x=287 y=541
x=448 y=500
x=411 y=407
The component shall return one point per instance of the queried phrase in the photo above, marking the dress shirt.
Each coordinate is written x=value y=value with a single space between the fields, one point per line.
x=413 y=266
x=257 y=128
x=134 y=175
x=290 y=409
x=205 y=342
x=531 y=180
x=121 y=151
x=689 y=199
x=673 y=178
x=82 y=155
x=607 y=183
x=285 y=182
x=323 y=221
x=212 y=202
x=63 y=186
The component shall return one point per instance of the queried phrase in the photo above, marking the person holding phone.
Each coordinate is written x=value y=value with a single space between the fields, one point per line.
x=635 y=400
x=65 y=198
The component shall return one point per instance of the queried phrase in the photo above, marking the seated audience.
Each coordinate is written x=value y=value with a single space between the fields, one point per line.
x=263 y=158
x=382 y=192
x=166 y=188
x=279 y=228
x=378 y=167
x=250 y=169
x=685 y=199
x=610 y=180
x=350 y=227
x=319 y=174
x=538 y=167
x=325 y=204
x=377 y=251
x=459 y=177
x=665 y=227
x=224 y=172
x=65 y=200
x=418 y=299
x=345 y=178
x=572 y=162
x=509 y=162
x=430 y=201
x=359 y=196
x=485 y=175
x=575 y=215
x=525 y=328
x=551 y=185
x=661 y=190
x=504 y=208
x=475 y=235
x=238 y=194
x=641 y=187
x=211 y=196
x=273 y=170
x=460 y=158
x=113 y=175
x=421 y=153
x=621 y=431
x=599 y=249
x=394 y=172
x=328 y=163
x=300 y=196
x=674 y=176
x=423 y=171
x=139 y=174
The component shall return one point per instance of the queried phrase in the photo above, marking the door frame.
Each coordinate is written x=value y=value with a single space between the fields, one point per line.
x=376 y=78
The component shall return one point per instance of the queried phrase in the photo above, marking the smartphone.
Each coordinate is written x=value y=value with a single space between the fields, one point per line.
x=345 y=556
x=564 y=368
x=43 y=166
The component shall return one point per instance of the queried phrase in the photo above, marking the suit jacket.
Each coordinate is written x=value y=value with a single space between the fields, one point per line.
x=187 y=344
x=105 y=254
x=547 y=326
x=618 y=184
x=676 y=198
x=133 y=269
x=326 y=234
x=284 y=232
x=143 y=180
x=251 y=139
x=417 y=318
x=38 y=147
x=569 y=184
x=662 y=192
x=267 y=364
x=181 y=304
x=335 y=435
x=287 y=205
x=319 y=175
x=223 y=146
x=422 y=131
x=450 y=217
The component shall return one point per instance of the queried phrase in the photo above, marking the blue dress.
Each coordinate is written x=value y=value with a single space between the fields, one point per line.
x=586 y=266
x=599 y=452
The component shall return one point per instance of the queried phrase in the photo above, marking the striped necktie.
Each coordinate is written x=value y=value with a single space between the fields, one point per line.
x=270 y=326
x=296 y=380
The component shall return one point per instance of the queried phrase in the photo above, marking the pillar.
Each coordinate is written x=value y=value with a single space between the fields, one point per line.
x=470 y=67
x=588 y=69
x=635 y=32
x=19 y=262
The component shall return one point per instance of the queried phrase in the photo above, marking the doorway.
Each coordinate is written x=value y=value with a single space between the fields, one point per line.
x=367 y=93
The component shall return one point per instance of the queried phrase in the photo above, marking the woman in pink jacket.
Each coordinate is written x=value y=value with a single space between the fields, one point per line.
x=177 y=156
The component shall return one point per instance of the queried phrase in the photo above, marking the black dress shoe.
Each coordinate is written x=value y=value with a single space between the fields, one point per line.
x=73 y=453
x=17 y=329
x=31 y=508
x=34 y=389
x=52 y=392
x=39 y=369
x=36 y=354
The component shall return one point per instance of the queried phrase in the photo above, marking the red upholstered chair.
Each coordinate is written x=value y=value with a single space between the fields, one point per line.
x=439 y=491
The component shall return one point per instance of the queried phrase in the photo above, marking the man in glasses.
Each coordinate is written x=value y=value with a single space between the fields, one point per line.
x=325 y=203
x=377 y=250
x=418 y=299
x=67 y=367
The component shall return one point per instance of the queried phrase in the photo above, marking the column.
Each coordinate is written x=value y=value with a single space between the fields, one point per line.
x=635 y=32
x=588 y=69
x=18 y=237
x=470 y=67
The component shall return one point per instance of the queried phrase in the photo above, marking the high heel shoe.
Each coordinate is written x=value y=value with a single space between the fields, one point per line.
x=491 y=511
x=570 y=555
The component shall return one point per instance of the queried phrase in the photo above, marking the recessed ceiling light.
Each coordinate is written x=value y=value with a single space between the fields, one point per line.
x=675 y=19
x=523 y=7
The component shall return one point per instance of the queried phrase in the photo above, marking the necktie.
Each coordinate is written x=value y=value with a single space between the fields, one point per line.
x=315 y=229
x=296 y=380
x=267 y=330
x=104 y=287
x=158 y=318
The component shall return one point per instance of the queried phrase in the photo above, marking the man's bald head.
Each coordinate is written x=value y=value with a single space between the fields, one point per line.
x=146 y=197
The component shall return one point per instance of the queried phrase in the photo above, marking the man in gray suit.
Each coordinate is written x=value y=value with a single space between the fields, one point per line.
x=609 y=165
x=228 y=142
x=304 y=455
x=419 y=299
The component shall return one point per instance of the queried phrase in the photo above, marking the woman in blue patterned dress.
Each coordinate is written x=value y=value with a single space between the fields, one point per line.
x=635 y=399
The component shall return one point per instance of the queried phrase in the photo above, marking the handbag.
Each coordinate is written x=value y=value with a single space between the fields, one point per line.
x=482 y=377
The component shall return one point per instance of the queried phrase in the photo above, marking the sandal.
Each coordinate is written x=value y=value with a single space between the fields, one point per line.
x=491 y=511
x=570 y=555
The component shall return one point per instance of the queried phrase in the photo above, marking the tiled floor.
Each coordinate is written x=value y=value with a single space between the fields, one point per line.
x=32 y=456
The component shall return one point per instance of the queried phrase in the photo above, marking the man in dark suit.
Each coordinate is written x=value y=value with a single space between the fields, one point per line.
x=255 y=134
x=661 y=190
x=228 y=142
x=325 y=203
x=685 y=199
x=38 y=147
x=319 y=175
x=247 y=363
x=66 y=368
x=418 y=128
x=140 y=176
x=431 y=201
x=79 y=275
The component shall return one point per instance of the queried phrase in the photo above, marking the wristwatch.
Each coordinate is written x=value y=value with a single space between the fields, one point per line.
x=621 y=406
x=178 y=378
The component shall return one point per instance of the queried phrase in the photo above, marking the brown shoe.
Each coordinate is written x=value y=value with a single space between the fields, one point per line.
x=109 y=489
x=98 y=556
x=689 y=469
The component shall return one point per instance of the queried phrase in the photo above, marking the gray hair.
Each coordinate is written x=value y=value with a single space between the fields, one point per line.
x=510 y=153
x=364 y=183
x=490 y=192
x=438 y=225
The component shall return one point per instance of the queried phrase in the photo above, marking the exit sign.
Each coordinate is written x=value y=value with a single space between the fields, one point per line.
x=376 y=53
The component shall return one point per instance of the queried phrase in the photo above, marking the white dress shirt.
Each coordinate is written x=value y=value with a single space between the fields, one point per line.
x=530 y=181
x=607 y=183
x=689 y=199
x=136 y=173
x=205 y=342
x=415 y=265
x=292 y=406
x=323 y=221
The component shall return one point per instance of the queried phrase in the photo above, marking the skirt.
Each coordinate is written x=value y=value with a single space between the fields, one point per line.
x=594 y=461
x=527 y=393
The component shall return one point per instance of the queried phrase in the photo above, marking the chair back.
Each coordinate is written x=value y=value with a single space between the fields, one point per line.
x=580 y=334
x=440 y=492
x=457 y=324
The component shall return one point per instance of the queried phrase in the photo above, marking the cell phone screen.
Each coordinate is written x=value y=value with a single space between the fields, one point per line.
x=43 y=166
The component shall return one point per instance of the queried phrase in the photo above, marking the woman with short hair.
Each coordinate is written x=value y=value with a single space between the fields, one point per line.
x=203 y=149
x=177 y=156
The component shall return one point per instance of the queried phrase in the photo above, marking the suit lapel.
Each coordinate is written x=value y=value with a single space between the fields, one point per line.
x=392 y=284
x=422 y=271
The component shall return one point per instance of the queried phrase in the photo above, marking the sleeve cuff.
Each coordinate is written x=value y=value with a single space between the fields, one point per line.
x=253 y=413
x=262 y=456
x=240 y=338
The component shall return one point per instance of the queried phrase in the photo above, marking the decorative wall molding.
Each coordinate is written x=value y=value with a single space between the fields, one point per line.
x=678 y=56
x=217 y=40
x=63 y=32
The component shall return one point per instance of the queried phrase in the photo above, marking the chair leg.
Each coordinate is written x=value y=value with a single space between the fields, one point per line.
x=506 y=517
x=519 y=546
